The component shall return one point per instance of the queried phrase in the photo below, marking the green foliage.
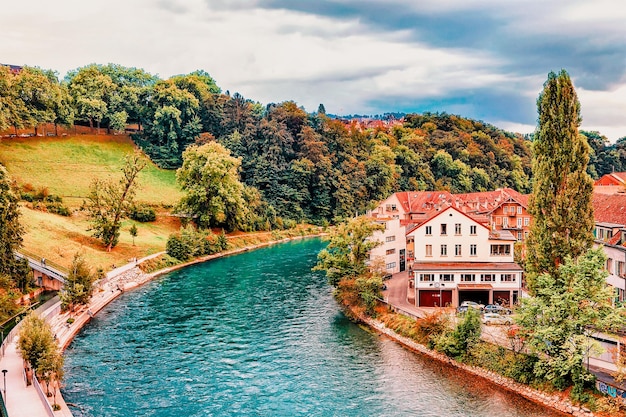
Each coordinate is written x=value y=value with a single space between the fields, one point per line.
x=109 y=202
x=11 y=232
x=562 y=190
x=368 y=289
x=190 y=243
x=561 y=315
x=214 y=195
x=79 y=284
x=35 y=340
x=348 y=249
x=462 y=340
x=142 y=213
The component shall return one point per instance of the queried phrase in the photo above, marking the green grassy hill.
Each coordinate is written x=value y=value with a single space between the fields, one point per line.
x=66 y=166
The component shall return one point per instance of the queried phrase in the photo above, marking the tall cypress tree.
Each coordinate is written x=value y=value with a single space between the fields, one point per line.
x=562 y=190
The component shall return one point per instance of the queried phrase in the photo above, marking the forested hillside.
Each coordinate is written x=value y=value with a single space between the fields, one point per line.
x=306 y=166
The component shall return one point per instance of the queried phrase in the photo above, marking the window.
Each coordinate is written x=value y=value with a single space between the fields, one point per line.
x=519 y=222
x=427 y=277
x=519 y=209
x=391 y=207
x=620 y=268
x=526 y=221
x=505 y=222
x=487 y=277
x=519 y=235
x=498 y=221
x=500 y=250
x=468 y=277
x=390 y=238
x=429 y=230
x=444 y=229
x=391 y=265
x=472 y=250
x=609 y=265
x=446 y=277
x=444 y=250
x=457 y=250
x=505 y=209
x=473 y=230
x=457 y=229
x=507 y=277
x=429 y=250
x=390 y=251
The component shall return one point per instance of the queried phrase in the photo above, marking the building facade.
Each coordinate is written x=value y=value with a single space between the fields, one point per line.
x=459 y=259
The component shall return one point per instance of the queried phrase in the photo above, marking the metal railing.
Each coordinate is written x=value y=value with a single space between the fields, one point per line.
x=53 y=265
x=42 y=397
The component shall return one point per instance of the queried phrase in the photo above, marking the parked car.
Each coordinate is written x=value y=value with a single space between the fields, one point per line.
x=494 y=308
x=495 y=318
x=462 y=309
x=472 y=304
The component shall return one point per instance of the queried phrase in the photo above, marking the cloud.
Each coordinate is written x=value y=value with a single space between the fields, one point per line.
x=485 y=59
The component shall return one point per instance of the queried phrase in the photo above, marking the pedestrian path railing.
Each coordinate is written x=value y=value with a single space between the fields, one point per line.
x=42 y=397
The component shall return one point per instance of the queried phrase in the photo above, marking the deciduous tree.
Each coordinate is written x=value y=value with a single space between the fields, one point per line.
x=348 y=249
x=78 y=286
x=565 y=310
x=214 y=195
x=35 y=340
x=109 y=202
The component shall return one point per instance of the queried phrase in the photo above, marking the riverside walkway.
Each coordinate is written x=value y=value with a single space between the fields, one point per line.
x=26 y=401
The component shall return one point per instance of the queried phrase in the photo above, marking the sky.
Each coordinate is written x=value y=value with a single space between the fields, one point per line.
x=482 y=59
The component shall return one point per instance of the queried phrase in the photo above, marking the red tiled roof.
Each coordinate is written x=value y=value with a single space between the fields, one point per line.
x=614 y=178
x=453 y=266
x=609 y=208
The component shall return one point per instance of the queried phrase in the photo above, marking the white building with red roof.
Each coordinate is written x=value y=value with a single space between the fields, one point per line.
x=457 y=259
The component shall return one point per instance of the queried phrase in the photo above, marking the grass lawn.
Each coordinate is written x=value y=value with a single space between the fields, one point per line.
x=66 y=166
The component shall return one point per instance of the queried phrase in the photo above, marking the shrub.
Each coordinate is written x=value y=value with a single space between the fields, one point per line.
x=178 y=248
x=431 y=327
x=143 y=213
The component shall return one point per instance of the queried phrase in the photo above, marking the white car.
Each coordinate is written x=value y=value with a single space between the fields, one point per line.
x=494 y=318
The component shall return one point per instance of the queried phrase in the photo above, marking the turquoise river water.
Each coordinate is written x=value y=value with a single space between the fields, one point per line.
x=258 y=334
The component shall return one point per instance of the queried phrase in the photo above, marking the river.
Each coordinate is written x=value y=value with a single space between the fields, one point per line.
x=258 y=334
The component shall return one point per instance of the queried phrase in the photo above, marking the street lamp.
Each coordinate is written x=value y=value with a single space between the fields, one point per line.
x=4 y=371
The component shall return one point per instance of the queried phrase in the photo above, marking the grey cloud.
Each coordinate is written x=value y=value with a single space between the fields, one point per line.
x=584 y=52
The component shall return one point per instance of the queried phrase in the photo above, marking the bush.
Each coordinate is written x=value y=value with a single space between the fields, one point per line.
x=143 y=213
x=178 y=248
x=57 y=208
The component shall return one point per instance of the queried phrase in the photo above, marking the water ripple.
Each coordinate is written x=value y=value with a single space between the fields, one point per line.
x=258 y=334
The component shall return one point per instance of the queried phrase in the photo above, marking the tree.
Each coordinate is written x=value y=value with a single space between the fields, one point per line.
x=109 y=202
x=35 y=340
x=214 y=195
x=133 y=232
x=90 y=90
x=562 y=190
x=50 y=371
x=11 y=232
x=566 y=308
x=78 y=286
x=348 y=249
